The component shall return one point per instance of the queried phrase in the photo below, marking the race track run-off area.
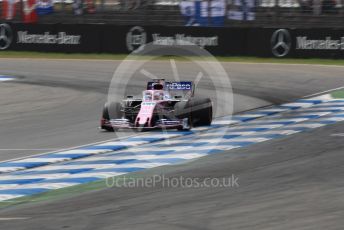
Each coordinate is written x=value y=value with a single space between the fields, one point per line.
x=46 y=172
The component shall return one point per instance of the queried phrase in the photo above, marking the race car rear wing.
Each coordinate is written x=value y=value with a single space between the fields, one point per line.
x=176 y=88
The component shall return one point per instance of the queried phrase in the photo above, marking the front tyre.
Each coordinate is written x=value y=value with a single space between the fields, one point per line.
x=186 y=125
x=111 y=110
x=202 y=112
x=183 y=110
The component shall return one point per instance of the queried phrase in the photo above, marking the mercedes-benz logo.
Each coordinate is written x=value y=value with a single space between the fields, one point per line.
x=136 y=38
x=280 y=43
x=6 y=36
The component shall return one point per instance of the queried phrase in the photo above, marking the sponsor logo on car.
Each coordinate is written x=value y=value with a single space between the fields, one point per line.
x=179 y=85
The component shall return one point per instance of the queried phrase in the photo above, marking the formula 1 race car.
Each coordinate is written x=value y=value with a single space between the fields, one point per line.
x=167 y=105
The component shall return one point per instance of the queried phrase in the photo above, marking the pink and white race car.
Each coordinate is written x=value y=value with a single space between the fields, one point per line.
x=164 y=105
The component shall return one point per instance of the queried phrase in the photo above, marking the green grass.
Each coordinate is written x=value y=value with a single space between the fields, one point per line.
x=55 y=194
x=72 y=191
x=338 y=94
x=40 y=55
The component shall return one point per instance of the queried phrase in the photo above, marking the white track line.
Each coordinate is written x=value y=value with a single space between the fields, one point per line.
x=71 y=148
x=324 y=92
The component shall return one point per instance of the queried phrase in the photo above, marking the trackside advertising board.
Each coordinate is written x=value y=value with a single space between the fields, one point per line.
x=262 y=42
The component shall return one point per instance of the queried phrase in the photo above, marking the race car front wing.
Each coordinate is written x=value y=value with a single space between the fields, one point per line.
x=160 y=124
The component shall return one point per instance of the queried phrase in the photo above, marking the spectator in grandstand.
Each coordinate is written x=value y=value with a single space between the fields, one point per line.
x=316 y=5
x=242 y=10
x=90 y=6
x=203 y=12
x=329 y=7
x=306 y=6
x=78 y=7
x=187 y=9
x=217 y=12
x=9 y=9
x=130 y=4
